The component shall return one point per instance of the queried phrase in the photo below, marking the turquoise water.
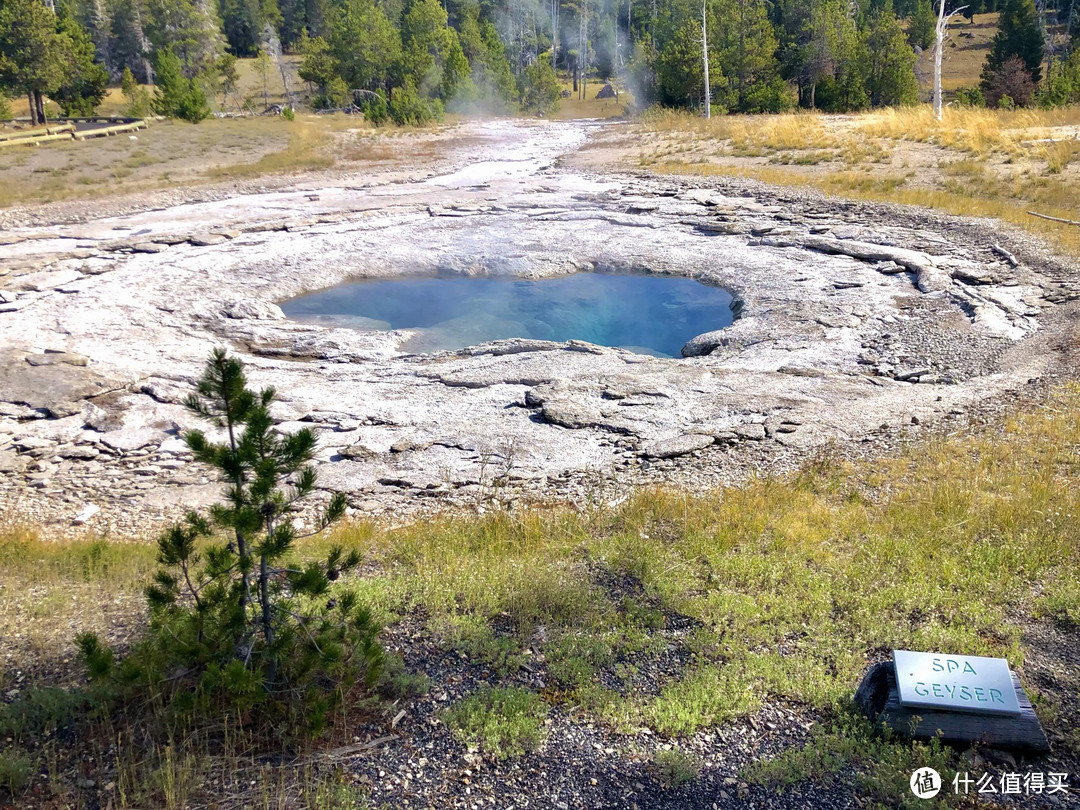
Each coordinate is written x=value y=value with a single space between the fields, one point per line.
x=647 y=314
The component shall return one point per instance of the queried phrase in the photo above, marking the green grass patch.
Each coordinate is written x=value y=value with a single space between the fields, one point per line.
x=880 y=763
x=16 y=768
x=675 y=768
x=502 y=721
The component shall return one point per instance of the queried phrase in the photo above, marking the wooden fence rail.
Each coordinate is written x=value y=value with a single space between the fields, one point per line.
x=67 y=129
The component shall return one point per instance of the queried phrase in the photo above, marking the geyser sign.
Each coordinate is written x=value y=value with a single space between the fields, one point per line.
x=964 y=683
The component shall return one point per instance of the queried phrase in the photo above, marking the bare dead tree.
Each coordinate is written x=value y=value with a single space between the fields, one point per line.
x=272 y=46
x=705 y=56
x=555 y=34
x=939 y=49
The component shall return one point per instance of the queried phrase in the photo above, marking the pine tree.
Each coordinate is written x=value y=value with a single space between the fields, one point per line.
x=176 y=96
x=191 y=29
x=431 y=52
x=100 y=26
x=747 y=44
x=891 y=70
x=922 y=26
x=540 y=87
x=130 y=46
x=83 y=86
x=1018 y=35
x=245 y=624
x=365 y=44
x=32 y=52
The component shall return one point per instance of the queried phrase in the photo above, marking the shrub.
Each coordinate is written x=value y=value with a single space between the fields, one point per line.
x=1062 y=82
x=15 y=771
x=539 y=87
x=5 y=107
x=970 y=97
x=375 y=109
x=675 y=768
x=241 y=626
x=1013 y=81
x=176 y=96
x=504 y=722
x=334 y=95
x=408 y=107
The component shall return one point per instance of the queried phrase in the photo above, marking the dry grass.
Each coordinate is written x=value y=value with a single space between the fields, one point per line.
x=982 y=163
x=573 y=108
x=306 y=151
x=974 y=131
x=965 y=54
x=171 y=154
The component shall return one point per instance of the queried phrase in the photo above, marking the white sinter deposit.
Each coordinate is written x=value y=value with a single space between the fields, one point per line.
x=846 y=322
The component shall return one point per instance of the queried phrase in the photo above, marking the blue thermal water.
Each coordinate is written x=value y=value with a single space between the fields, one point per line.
x=643 y=313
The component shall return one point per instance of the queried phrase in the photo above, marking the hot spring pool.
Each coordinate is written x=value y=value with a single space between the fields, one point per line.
x=647 y=314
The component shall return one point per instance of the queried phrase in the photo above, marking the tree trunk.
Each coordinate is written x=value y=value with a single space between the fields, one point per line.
x=265 y=608
x=583 y=42
x=939 y=46
x=705 y=59
x=555 y=34
x=143 y=45
x=39 y=100
x=33 y=109
x=101 y=29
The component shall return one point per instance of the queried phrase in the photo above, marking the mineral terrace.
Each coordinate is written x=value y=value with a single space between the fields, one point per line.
x=852 y=320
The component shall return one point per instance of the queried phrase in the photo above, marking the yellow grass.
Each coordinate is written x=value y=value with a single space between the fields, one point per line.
x=971 y=130
x=592 y=107
x=983 y=163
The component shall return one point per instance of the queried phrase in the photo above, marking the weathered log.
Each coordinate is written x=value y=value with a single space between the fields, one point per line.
x=879 y=699
x=1053 y=219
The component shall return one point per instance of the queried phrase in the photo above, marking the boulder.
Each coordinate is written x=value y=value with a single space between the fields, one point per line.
x=607 y=91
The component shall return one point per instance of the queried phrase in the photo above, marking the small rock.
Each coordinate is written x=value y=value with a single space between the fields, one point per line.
x=206 y=239
x=84 y=452
x=676 y=446
x=253 y=309
x=149 y=247
x=800 y=371
x=907 y=374
x=28 y=443
x=750 y=430
x=86 y=514
x=56 y=358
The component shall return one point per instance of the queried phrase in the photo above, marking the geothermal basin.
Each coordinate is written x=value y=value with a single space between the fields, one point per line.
x=519 y=325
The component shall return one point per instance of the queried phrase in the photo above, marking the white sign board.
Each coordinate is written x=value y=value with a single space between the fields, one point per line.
x=956 y=683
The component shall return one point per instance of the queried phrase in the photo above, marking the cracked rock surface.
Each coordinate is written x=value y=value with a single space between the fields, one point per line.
x=849 y=323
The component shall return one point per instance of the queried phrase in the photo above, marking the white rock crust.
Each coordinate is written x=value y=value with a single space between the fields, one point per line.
x=843 y=325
